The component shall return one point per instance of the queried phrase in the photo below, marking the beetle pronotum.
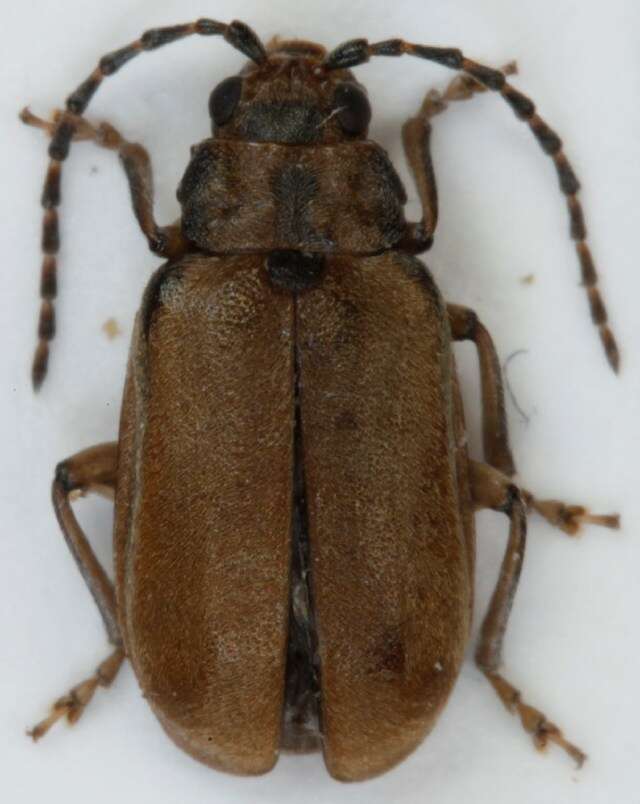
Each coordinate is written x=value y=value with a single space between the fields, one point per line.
x=294 y=540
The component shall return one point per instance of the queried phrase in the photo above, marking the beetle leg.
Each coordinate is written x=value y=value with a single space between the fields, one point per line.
x=567 y=518
x=466 y=326
x=491 y=489
x=416 y=135
x=93 y=469
x=73 y=704
x=358 y=51
x=166 y=241
x=63 y=131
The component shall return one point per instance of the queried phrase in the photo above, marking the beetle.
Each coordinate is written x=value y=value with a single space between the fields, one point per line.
x=294 y=499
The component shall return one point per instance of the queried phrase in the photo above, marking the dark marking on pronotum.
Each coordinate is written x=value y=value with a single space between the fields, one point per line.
x=294 y=188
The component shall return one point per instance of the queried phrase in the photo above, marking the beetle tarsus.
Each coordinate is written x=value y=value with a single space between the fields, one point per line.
x=73 y=704
x=30 y=119
x=533 y=720
x=570 y=518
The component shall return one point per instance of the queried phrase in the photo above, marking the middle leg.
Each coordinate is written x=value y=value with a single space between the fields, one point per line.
x=492 y=487
x=465 y=325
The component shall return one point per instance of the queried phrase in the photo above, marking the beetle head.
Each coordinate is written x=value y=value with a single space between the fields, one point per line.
x=290 y=98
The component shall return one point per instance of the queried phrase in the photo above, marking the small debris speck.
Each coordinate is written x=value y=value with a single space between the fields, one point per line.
x=111 y=328
x=529 y=279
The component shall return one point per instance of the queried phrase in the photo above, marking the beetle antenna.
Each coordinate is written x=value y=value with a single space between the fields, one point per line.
x=359 y=51
x=66 y=128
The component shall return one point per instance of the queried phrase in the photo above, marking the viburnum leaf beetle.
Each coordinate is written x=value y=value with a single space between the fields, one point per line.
x=294 y=541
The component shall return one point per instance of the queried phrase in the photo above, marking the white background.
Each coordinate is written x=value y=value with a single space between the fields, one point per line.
x=573 y=639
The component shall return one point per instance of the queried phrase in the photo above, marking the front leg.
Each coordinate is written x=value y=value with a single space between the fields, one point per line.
x=93 y=470
x=165 y=241
x=465 y=325
x=492 y=487
x=416 y=136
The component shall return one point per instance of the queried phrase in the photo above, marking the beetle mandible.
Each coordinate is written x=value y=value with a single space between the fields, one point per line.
x=294 y=539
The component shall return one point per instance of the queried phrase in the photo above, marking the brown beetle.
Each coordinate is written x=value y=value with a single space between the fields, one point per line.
x=294 y=537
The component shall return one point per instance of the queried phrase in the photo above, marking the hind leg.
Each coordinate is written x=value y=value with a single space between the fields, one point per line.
x=94 y=470
x=505 y=497
x=492 y=489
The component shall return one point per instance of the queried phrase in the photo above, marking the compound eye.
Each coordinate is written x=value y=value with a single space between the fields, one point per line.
x=224 y=99
x=354 y=111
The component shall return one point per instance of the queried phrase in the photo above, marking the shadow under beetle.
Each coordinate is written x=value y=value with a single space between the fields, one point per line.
x=294 y=501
